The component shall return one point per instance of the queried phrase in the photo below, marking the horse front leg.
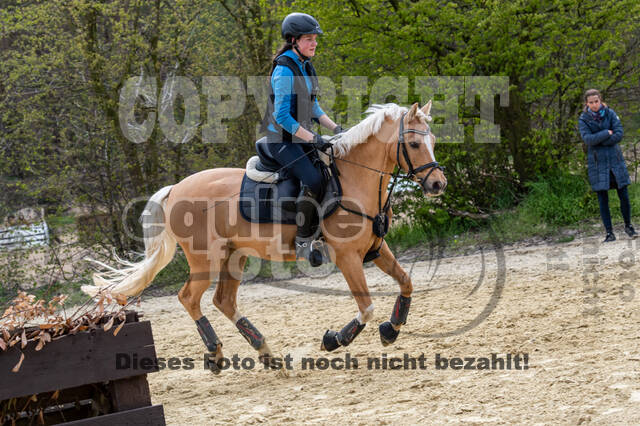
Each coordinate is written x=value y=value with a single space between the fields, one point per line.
x=387 y=262
x=351 y=267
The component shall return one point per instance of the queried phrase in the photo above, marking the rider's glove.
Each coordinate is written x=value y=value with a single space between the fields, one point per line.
x=320 y=143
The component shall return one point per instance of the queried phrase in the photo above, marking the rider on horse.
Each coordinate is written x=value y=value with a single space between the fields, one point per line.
x=291 y=108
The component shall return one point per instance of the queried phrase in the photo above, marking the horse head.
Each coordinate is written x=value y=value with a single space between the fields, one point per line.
x=414 y=151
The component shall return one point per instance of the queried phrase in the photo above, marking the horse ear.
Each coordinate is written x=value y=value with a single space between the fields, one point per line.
x=412 y=112
x=427 y=108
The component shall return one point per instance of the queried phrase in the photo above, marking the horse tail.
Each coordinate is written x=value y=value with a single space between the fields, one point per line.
x=159 y=247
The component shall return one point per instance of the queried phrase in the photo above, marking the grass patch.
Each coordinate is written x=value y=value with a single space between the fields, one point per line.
x=58 y=221
x=405 y=236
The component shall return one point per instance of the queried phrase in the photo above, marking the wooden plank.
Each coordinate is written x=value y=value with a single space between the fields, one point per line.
x=64 y=413
x=64 y=396
x=130 y=393
x=147 y=416
x=87 y=357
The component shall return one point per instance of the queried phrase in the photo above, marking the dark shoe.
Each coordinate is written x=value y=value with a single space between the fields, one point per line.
x=630 y=231
x=303 y=247
x=610 y=237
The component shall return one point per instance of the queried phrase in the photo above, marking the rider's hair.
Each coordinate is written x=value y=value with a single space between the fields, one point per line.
x=287 y=45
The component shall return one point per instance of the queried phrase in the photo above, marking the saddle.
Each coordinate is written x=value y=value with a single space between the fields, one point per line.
x=268 y=194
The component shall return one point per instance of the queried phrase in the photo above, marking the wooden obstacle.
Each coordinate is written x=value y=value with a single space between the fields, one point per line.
x=75 y=379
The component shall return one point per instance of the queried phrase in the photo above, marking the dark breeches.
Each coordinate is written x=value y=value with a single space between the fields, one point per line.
x=625 y=206
x=288 y=154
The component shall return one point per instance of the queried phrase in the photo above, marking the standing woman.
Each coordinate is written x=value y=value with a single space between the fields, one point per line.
x=291 y=108
x=601 y=131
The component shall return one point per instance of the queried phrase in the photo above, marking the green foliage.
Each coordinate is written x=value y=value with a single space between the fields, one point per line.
x=405 y=236
x=553 y=202
x=63 y=65
x=559 y=199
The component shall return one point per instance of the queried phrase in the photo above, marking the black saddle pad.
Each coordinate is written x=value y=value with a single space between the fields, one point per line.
x=275 y=202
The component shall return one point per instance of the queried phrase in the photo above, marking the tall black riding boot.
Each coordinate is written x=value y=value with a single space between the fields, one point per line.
x=306 y=219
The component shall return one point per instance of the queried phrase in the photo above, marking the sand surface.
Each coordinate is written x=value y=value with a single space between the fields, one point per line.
x=583 y=363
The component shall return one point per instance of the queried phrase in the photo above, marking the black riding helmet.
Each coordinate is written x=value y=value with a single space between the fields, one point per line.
x=297 y=24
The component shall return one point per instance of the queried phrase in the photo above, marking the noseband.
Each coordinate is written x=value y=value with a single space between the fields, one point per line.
x=411 y=173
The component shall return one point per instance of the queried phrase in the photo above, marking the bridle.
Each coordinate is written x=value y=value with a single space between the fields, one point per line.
x=401 y=142
x=381 y=220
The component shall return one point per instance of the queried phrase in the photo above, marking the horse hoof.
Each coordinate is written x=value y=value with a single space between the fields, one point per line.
x=211 y=362
x=267 y=361
x=330 y=341
x=388 y=334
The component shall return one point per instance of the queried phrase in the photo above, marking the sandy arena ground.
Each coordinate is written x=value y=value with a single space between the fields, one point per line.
x=583 y=367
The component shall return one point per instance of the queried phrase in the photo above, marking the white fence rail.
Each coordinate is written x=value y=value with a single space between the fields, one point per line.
x=24 y=236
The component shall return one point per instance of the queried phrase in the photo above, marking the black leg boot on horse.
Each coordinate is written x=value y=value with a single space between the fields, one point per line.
x=307 y=245
x=389 y=330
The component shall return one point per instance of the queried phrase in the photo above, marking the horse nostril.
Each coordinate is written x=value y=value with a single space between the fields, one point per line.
x=436 y=186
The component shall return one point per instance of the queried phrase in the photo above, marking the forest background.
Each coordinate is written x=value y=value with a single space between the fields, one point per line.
x=64 y=66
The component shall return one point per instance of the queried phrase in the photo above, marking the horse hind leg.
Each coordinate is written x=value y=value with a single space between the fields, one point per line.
x=225 y=299
x=190 y=296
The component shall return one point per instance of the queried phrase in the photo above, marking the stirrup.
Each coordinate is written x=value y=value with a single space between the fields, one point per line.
x=314 y=251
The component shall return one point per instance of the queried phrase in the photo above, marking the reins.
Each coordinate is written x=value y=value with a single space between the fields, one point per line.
x=381 y=220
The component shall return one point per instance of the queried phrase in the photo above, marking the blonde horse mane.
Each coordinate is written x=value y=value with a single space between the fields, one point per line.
x=359 y=133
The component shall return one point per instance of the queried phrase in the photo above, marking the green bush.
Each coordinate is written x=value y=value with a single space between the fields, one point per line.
x=559 y=199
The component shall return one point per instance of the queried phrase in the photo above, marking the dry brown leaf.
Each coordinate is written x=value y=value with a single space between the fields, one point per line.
x=17 y=366
x=55 y=395
x=117 y=330
x=46 y=326
x=109 y=324
x=3 y=344
x=40 y=344
x=24 y=339
x=41 y=416
x=6 y=335
x=34 y=398
x=75 y=329
x=47 y=337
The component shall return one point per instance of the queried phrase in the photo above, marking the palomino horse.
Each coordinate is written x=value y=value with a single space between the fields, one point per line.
x=217 y=240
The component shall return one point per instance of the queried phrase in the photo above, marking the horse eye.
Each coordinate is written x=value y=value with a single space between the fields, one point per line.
x=414 y=144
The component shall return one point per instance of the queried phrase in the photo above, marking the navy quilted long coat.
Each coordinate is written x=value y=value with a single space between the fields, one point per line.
x=604 y=155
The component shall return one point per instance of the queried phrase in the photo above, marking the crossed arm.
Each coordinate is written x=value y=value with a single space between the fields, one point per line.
x=606 y=137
